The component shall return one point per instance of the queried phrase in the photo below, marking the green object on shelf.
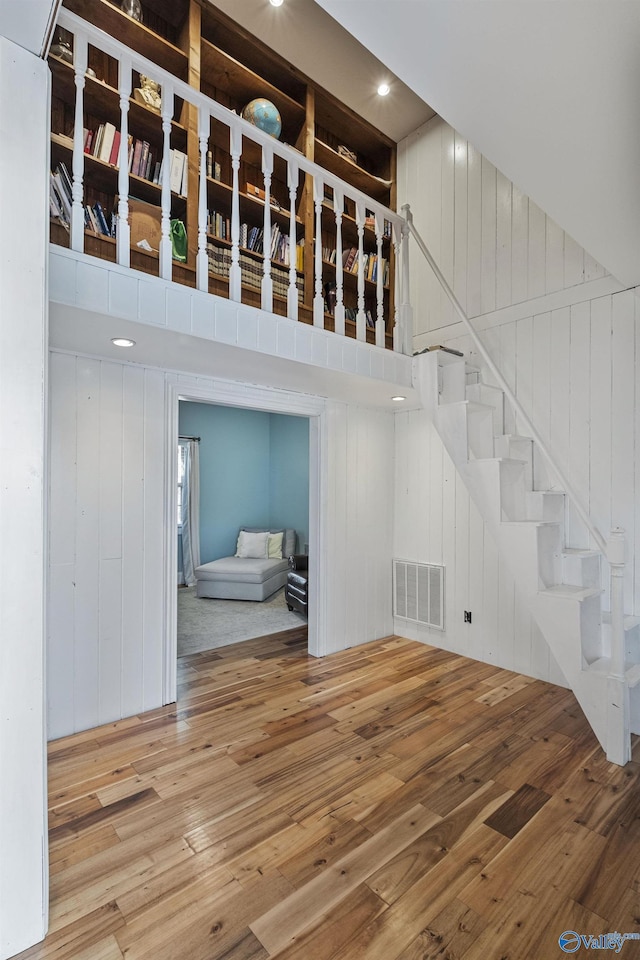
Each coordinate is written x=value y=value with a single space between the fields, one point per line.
x=179 y=240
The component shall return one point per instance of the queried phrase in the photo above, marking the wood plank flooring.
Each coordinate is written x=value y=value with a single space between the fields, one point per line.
x=390 y=802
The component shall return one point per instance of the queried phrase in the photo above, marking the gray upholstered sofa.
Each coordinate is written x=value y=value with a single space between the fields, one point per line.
x=247 y=578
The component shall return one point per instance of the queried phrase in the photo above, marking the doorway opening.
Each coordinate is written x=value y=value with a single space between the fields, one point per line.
x=243 y=510
x=259 y=472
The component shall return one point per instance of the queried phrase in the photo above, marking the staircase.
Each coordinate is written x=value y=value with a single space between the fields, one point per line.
x=598 y=654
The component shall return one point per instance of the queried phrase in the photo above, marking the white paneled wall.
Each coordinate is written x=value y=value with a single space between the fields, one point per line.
x=358 y=532
x=436 y=522
x=107 y=564
x=493 y=244
x=106 y=542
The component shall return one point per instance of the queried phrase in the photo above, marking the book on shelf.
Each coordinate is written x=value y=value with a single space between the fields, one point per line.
x=176 y=170
x=115 y=149
x=102 y=220
x=106 y=143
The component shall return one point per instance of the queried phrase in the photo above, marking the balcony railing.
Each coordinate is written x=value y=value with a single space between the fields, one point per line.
x=358 y=225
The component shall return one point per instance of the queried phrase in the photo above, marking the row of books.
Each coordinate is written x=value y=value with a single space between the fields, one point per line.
x=61 y=202
x=350 y=313
x=352 y=262
x=251 y=271
x=104 y=144
x=252 y=238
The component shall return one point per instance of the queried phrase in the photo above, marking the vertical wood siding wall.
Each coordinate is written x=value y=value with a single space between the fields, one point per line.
x=105 y=636
x=572 y=368
x=106 y=542
x=494 y=245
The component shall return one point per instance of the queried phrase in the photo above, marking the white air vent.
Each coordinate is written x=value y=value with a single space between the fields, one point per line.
x=418 y=592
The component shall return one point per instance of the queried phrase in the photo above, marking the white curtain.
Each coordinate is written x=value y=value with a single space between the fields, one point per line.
x=191 y=512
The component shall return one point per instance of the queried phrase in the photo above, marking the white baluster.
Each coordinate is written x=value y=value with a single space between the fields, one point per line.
x=123 y=230
x=80 y=55
x=361 y=319
x=618 y=724
x=166 y=252
x=396 y=235
x=292 y=292
x=379 y=221
x=202 y=260
x=402 y=340
x=318 y=300
x=235 y=274
x=338 y=207
x=267 y=282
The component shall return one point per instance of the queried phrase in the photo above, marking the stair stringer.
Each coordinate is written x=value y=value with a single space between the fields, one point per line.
x=570 y=623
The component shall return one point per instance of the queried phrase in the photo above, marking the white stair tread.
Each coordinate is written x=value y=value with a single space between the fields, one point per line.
x=444 y=357
x=629 y=622
x=569 y=591
x=530 y=523
x=603 y=666
x=516 y=437
x=473 y=405
x=576 y=552
x=499 y=460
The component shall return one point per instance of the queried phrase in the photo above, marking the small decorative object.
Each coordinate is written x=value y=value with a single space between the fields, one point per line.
x=132 y=8
x=347 y=154
x=264 y=115
x=179 y=241
x=91 y=72
x=148 y=93
x=62 y=48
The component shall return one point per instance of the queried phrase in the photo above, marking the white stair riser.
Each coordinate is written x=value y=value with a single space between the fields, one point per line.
x=516 y=448
x=577 y=625
x=533 y=552
x=493 y=397
x=501 y=487
x=545 y=505
x=631 y=643
x=583 y=571
x=467 y=430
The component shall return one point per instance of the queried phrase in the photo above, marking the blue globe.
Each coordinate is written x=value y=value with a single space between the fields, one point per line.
x=264 y=115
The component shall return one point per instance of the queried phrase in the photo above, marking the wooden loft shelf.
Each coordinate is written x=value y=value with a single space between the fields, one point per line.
x=113 y=21
x=103 y=102
x=242 y=85
x=198 y=43
x=373 y=186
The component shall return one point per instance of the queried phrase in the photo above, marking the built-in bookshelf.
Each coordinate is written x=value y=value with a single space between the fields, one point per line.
x=202 y=46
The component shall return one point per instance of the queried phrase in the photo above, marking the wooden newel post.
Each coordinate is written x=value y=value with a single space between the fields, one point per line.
x=618 y=721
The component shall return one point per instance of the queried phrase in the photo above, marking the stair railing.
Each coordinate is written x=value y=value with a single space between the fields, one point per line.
x=613 y=549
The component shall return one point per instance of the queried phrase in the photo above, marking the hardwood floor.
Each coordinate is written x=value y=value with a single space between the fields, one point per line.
x=391 y=802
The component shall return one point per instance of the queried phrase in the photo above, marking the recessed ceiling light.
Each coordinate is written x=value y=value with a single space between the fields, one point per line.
x=122 y=342
x=398 y=399
x=276 y=3
x=383 y=89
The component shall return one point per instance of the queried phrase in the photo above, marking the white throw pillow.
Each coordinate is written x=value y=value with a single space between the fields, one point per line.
x=275 y=546
x=252 y=546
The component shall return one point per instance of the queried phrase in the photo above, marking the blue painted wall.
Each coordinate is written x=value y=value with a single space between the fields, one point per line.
x=289 y=475
x=254 y=471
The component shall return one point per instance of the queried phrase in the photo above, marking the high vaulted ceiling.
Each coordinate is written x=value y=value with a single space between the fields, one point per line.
x=545 y=89
x=308 y=37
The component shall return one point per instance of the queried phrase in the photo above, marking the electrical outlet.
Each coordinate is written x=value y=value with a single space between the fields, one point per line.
x=467 y=616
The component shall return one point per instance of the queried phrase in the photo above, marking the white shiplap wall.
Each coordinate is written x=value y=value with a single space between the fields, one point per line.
x=107 y=566
x=106 y=542
x=493 y=244
x=567 y=339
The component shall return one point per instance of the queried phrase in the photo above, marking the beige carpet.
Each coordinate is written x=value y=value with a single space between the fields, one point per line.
x=205 y=624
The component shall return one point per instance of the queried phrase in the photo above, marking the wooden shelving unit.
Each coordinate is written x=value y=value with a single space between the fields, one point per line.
x=200 y=45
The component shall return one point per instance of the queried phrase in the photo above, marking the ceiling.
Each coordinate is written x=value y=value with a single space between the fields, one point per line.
x=547 y=91
x=303 y=32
